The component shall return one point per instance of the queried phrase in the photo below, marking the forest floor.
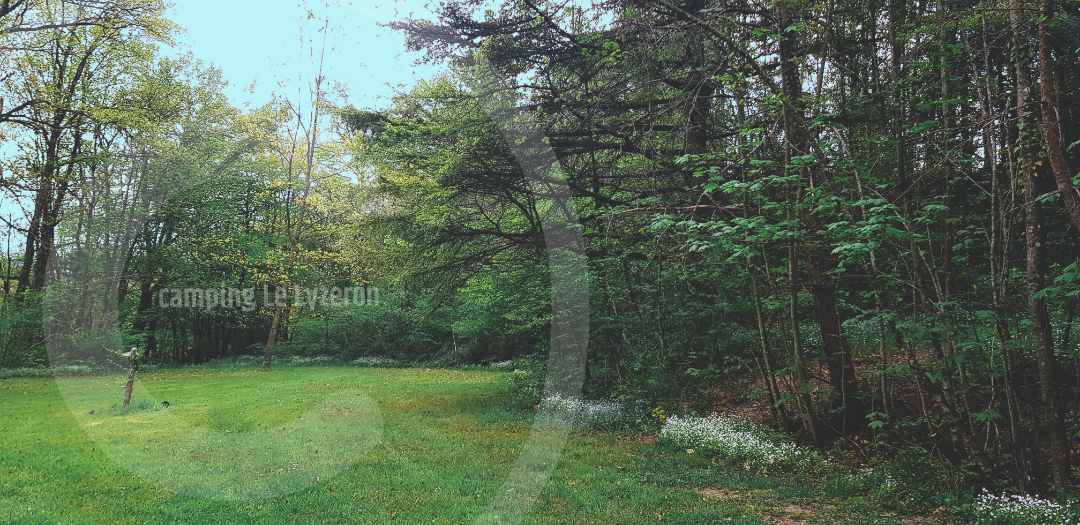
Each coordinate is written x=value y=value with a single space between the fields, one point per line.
x=350 y=445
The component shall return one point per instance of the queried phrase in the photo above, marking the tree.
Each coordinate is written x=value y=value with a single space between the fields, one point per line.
x=67 y=74
x=866 y=164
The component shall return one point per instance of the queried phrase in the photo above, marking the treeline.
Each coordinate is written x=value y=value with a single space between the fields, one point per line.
x=127 y=173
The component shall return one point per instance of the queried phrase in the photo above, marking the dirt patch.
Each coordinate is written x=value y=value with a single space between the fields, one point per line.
x=789 y=515
x=335 y=412
x=647 y=439
x=712 y=492
x=786 y=514
x=938 y=516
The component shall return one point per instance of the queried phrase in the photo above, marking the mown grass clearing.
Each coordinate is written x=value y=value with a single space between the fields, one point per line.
x=447 y=442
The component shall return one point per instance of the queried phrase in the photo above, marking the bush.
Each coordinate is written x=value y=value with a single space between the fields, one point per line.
x=846 y=486
x=606 y=416
x=374 y=361
x=737 y=441
x=1023 y=510
x=314 y=360
x=506 y=364
x=909 y=481
x=527 y=381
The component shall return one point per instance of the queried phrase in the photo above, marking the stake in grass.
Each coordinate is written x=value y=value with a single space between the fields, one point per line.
x=132 y=356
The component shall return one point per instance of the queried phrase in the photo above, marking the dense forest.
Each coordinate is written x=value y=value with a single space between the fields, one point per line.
x=864 y=212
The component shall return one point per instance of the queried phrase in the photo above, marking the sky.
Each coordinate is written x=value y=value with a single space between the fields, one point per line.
x=268 y=43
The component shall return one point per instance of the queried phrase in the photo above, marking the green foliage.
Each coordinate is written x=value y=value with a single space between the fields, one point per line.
x=527 y=381
x=908 y=482
x=844 y=487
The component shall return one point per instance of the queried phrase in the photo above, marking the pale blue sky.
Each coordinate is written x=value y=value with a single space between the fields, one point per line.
x=261 y=40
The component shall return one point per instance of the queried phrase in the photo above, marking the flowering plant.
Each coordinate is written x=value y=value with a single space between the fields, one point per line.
x=659 y=413
x=735 y=440
x=374 y=361
x=579 y=413
x=1023 y=510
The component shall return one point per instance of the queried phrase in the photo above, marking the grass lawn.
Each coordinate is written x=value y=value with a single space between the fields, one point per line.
x=345 y=445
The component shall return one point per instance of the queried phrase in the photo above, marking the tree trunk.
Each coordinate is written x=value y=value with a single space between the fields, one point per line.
x=775 y=408
x=796 y=342
x=1024 y=148
x=32 y=236
x=47 y=234
x=822 y=287
x=273 y=334
x=837 y=351
x=146 y=301
x=1051 y=117
x=1050 y=412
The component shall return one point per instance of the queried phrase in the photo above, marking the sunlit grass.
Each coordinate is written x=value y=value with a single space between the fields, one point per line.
x=448 y=441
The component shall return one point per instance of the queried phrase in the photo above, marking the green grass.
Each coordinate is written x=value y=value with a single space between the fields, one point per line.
x=336 y=445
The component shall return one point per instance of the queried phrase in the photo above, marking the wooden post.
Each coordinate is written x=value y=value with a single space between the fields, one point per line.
x=132 y=356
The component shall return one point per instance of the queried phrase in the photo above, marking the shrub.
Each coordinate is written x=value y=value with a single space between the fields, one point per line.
x=845 y=486
x=597 y=415
x=507 y=364
x=736 y=440
x=374 y=361
x=55 y=371
x=909 y=481
x=527 y=381
x=299 y=360
x=1023 y=510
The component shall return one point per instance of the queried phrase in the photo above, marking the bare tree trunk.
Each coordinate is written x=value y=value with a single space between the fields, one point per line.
x=796 y=342
x=1050 y=411
x=1051 y=118
x=1051 y=414
x=1024 y=171
x=273 y=331
x=32 y=236
x=294 y=230
x=837 y=351
x=47 y=234
x=767 y=373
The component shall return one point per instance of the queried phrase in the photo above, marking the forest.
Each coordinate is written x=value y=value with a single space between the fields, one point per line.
x=861 y=217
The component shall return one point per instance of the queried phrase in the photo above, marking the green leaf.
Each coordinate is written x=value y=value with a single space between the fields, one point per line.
x=786 y=399
x=986 y=415
x=923 y=126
